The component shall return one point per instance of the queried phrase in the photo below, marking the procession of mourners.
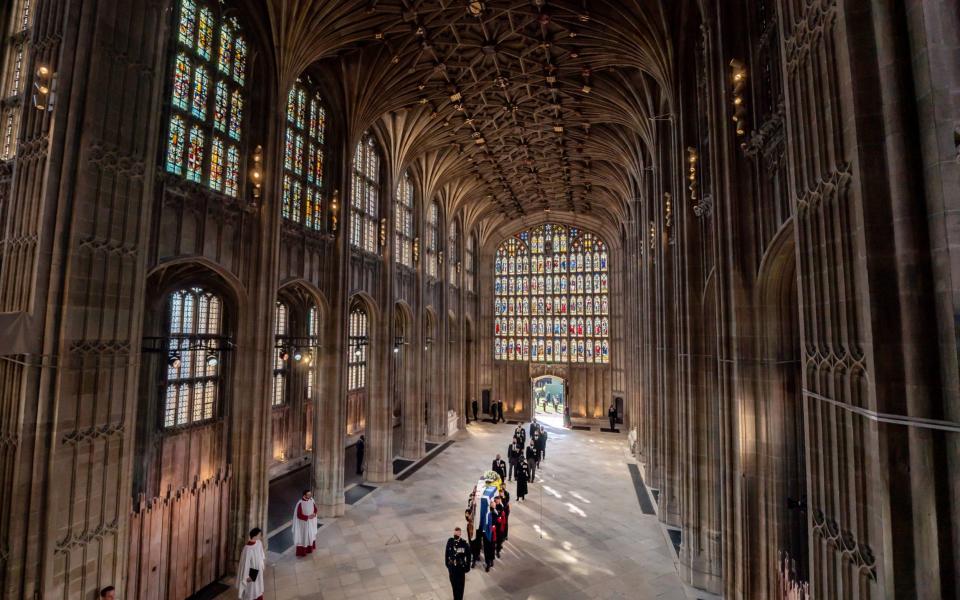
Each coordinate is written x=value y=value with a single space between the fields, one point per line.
x=487 y=514
x=487 y=518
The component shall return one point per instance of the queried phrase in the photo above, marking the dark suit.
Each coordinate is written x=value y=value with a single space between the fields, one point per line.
x=500 y=467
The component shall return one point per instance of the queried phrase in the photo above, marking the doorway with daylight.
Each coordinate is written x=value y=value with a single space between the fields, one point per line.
x=549 y=398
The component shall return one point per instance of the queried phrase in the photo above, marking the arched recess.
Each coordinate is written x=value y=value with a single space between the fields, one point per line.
x=470 y=368
x=434 y=413
x=401 y=389
x=182 y=456
x=362 y=348
x=781 y=424
x=454 y=356
x=298 y=329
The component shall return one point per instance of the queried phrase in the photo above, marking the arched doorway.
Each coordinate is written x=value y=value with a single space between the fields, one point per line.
x=548 y=398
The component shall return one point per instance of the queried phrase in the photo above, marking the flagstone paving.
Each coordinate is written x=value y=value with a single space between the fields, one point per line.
x=580 y=534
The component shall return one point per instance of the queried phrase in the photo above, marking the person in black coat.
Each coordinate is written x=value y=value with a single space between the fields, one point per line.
x=542 y=445
x=457 y=559
x=536 y=441
x=360 y=453
x=514 y=454
x=500 y=411
x=499 y=467
x=505 y=500
x=612 y=415
x=473 y=405
x=520 y=436
x=532 y=461
x=523 y=475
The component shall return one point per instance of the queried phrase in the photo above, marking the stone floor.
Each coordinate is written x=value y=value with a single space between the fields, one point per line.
x=580 y=534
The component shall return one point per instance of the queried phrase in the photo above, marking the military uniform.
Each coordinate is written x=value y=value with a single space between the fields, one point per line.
x=457 y=559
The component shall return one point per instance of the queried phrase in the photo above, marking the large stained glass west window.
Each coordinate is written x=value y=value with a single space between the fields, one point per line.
x=303 y=156
x=207 y=97
x=552 y=297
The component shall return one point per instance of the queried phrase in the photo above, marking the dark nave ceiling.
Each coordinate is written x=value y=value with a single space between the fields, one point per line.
x=525 y=105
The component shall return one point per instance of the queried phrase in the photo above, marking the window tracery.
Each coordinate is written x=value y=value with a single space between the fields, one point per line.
x=403 y=227
x=191 y=380
x=303 y=156
x=11 y=86
x=366 y=195
x=207 y=97
x=433 y=238
x=551 y=297
x=357 y=347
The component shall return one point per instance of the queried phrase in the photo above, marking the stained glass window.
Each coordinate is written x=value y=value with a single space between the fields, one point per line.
x=206 y=97
x=551 y=297
x=433 y=238
x=303 y=154
x=14 y=42
x=313 y=332
x=357 y=348
x=191 y=379
x=403 y=227
x=280 y=356
x=469 y=264
x=453 y=252
x=365 y=196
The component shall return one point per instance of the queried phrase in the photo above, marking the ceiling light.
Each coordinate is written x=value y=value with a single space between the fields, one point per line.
x=212 y=359
x=475 y=8
x=174 y=361
x=297 y=355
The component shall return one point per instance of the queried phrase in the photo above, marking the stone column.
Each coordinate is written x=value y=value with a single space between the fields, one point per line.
x=329 y=415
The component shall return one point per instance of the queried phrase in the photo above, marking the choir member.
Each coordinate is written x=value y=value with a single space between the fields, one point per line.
x=305 y=524
x=252 y=563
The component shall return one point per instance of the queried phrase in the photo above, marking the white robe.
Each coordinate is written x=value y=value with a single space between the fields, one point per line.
x=305 y=530
x=252 y=557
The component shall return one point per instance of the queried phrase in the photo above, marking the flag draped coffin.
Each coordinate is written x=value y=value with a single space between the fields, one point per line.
x=487 y=523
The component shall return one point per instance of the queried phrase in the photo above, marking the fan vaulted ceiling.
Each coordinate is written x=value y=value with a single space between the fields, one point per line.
x=506 y=107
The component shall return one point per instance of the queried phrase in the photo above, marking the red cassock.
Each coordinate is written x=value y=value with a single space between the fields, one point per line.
x=305 y=527
x=501 y=524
